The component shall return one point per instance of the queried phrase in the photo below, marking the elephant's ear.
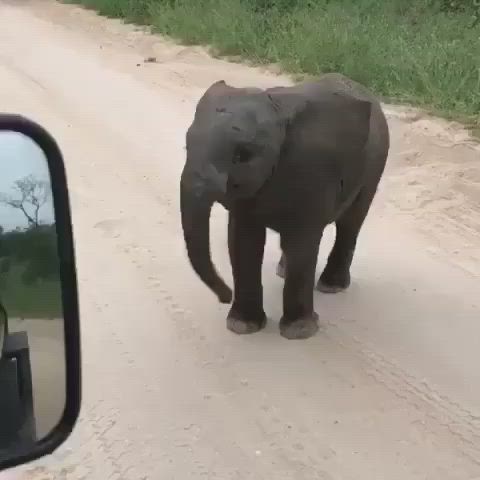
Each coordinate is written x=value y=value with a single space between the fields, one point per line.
x=334 y=121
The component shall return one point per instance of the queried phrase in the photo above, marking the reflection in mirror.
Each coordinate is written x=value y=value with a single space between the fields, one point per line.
x=32 y=358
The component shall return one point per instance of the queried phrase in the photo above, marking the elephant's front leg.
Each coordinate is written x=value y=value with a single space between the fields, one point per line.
x=246 y=243
x=300 y=252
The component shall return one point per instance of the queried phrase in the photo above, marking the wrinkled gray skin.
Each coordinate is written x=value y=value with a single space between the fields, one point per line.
x=292 y=159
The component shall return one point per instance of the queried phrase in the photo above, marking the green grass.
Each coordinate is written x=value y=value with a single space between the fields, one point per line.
x=43 y=299
x=407 y=51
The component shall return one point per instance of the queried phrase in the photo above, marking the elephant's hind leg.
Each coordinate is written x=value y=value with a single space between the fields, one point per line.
x=246 y=242
x=336 y=275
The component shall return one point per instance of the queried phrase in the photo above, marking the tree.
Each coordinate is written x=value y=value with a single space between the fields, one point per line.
x=29 y=192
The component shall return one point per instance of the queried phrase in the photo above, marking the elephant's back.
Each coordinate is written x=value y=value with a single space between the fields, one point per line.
x=379 y=139
x=337 y=82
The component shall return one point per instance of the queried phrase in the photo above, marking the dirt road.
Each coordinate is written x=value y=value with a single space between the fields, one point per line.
x=390 y=386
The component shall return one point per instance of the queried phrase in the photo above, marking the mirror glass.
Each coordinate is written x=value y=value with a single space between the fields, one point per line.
x=32 y=357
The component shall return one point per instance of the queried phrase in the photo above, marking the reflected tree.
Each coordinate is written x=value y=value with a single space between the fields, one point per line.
x=30 y=196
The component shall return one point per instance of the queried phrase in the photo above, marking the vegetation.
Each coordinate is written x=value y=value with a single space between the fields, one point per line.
x=29 y=266
x=29 y=273
x=424 y=52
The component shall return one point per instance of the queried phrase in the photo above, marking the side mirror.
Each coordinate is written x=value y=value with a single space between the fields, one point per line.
x=39 y=321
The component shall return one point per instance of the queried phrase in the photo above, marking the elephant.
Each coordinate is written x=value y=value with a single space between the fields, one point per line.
x=291 y=159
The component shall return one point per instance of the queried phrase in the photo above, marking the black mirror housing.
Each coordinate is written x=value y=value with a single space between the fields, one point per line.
x=15 y=349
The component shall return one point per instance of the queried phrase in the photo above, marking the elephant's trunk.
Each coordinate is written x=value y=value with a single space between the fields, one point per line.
x=196 y=204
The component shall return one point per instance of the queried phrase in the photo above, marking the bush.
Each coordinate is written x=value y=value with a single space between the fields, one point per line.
x=29 y=273
x=35 y=248
x=5 y=265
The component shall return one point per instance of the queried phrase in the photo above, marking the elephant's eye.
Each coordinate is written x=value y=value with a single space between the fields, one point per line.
x=241 y=155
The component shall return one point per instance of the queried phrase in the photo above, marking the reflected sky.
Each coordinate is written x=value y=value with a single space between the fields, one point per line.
x=20 y=157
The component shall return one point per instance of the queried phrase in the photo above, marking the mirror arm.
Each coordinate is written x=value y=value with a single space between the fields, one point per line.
x=16 y=348
x=3 y=312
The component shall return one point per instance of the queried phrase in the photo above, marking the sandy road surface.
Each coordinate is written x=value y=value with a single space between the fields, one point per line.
x=388 y=389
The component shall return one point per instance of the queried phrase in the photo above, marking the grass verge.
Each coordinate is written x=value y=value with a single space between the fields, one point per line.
x=407 y=51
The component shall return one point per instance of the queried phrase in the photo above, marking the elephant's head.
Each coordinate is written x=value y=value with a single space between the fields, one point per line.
x=233 y=147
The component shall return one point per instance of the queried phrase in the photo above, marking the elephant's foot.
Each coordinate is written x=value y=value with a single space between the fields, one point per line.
x=333 y=283
x=299 y=329
x=238 y=324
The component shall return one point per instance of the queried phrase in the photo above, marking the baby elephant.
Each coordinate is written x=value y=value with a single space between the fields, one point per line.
x=292 y=159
